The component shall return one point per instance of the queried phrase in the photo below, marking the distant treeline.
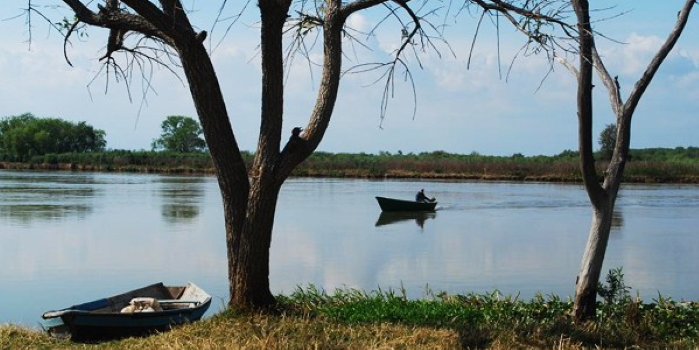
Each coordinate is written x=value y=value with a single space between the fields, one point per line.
x=653 y=165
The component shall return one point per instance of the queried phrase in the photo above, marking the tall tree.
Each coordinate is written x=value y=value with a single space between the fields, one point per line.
x=607 y=139
x=180 y=134
x=249 y=198
x=536 y=16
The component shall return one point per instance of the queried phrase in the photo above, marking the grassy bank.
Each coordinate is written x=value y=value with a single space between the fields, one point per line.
x=679 y=165
x=350 y=319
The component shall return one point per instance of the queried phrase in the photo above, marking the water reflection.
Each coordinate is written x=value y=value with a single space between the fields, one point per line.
x=179 y=212
x=617 y=220
x=387 y=218
x=28 y=213
x=182 y=197
x=27 y=197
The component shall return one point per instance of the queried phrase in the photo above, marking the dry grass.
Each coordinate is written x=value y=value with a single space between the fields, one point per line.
x=353 y=319
x=256 y=332
x=261 y=331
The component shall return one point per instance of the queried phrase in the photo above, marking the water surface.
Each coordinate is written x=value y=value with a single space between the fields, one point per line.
x=66 y=238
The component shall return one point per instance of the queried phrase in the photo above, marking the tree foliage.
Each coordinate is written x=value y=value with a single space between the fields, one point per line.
x=25 y=136
x=180 y=134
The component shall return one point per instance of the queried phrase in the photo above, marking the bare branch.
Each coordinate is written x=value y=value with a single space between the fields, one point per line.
x=116 y=19
x=359 y=5
x=27 y=13
x=416 y=22
x=417 y=30
x=612 y=85
x=233 y=20
x=640 y=86
x=568 y=65
x=473 y=42
x=66 y=41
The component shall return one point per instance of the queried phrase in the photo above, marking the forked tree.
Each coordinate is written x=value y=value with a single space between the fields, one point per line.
x=535 y=18
x=603 y=195
x=249 y=197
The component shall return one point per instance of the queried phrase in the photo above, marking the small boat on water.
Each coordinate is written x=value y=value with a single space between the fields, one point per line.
x=141 y=311
x=391 y=204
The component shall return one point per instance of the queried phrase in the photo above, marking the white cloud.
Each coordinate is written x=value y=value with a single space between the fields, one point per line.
x=358 y=22
x=632 y=56
x=459 y=107
x=691 y=54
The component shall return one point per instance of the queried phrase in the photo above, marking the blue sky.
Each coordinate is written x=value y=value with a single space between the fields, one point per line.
x=459 y=108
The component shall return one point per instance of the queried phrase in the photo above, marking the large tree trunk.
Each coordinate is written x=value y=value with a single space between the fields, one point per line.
x=586 y=285
x=249 y=271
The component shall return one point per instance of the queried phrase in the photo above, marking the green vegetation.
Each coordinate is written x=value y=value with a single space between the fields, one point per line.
x=119 y=160
x=26 y=136
x=27 y=142
x=180 y=134
x=607 y=140
x=652 y=165
x=351 y=319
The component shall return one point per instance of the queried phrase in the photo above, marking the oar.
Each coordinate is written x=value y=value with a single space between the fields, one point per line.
x=177 y=301
x=53 y=314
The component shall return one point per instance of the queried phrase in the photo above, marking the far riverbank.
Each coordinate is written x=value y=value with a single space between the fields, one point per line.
x=678 y=165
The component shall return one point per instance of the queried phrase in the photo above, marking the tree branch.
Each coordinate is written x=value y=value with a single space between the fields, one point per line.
x=584 y=103
x=640 y=86
x=625 y=113
x=612 y=85
x=116 y=19
x=359 y=5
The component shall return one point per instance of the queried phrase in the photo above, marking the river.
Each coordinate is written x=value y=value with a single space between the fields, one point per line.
x=70 y=237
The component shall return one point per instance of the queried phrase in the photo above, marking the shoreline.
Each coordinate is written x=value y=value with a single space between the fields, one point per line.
x=347 y=173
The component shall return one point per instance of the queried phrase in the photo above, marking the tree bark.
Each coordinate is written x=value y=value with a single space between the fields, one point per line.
x=249 y=274
x=585 y=303
x=231 y=171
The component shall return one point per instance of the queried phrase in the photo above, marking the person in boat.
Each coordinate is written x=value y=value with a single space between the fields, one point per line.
x=421 y=197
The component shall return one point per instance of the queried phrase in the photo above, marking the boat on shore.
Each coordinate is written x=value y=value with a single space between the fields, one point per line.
x=395 y=205
x=142 y=311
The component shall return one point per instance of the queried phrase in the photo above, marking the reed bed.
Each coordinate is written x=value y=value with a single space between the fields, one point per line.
x=680 y=165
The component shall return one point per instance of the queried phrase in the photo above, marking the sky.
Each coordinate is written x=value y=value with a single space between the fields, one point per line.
x=484 y=98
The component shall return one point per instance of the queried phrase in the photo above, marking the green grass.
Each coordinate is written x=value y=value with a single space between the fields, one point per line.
x=310 y=318
x=496 y=319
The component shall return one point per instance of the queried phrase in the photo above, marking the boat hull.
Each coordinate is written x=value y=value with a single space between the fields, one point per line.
x=399 y=205
x=94 y=326
x=104 y=319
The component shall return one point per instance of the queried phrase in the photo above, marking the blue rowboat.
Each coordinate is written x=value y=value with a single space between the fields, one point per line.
x=142 y=311
x=391 y=204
